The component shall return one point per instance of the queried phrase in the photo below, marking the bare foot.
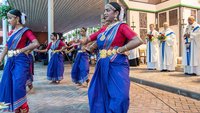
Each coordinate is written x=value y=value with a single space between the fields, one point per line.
x=85 y=85
x=53 y=82
x=79 y=84
x=87 y=82
x=30 y=86
x=58 y=82
x=31 y=91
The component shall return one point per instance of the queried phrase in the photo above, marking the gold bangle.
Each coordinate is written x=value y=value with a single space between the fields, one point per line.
x=18 y=51
x=118 y=51
x=91 y=47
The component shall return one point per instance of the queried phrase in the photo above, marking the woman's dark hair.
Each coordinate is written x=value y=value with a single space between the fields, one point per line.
x=116 y=6
x=60 y=36
x=16 y=13
x=55 y=34
x=85 y=29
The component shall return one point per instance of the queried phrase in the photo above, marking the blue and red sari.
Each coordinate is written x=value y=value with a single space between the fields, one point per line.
x=80 y=68
x=109 y=87
x=55 y=69
x=16 y=71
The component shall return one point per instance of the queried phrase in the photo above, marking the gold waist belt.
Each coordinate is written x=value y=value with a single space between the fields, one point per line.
x=106 y=53
x=12 y=53
x=56 y=51
x=81 y=50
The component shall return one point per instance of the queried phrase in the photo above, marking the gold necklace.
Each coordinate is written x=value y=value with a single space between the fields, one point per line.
x=109 y=26
x=103 y=37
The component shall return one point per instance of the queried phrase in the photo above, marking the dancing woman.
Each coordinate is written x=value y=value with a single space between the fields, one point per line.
x=80 y=68
x=17 y=68
x=55 y=69
x=110 y=85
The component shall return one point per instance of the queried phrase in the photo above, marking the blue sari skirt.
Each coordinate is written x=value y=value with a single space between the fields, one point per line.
x=109 y=87
x=55 y=69
x=13 y=83
x=31 y=71
x=80 y=68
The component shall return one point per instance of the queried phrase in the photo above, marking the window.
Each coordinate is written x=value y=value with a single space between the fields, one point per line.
x=173 y=17
x=162 y=19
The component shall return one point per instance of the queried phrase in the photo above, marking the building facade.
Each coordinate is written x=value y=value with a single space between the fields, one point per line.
x=141 y=13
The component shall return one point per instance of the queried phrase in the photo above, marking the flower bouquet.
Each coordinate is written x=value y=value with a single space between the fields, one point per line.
x=192 y=28
x=150 y=37
x=162 y=37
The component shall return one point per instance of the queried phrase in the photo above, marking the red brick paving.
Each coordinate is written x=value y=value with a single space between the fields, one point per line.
x=150 y=100
x=174 y=79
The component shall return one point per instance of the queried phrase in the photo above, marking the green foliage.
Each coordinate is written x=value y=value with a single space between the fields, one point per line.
x=65 y=37
x=162 y=37
x=96 y=29
x=74 y=34
x=4 y=9
x=69 y=35
x=78 y=31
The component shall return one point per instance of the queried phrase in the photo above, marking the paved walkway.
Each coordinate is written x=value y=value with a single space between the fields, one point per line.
x=69 y=98
x=174 y=79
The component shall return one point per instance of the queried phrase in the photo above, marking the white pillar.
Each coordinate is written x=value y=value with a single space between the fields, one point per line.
x=50 y=21
x=106 y=1
x=9 y=28
x=4 y=26
x=5 y=29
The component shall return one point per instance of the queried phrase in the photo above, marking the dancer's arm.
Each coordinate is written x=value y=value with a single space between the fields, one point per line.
x=41 y=51
x=31 y=46
x=92 y=47
x=135 y=42
x=3 y=54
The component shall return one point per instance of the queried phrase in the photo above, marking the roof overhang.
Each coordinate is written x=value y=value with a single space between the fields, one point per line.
x=68 y=14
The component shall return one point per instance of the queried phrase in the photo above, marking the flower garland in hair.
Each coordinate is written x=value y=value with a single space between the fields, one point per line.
x=121 y=15
x=23 y=18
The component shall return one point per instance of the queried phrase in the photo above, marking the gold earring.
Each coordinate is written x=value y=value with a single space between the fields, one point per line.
x=18 y=22
x=115 y=19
